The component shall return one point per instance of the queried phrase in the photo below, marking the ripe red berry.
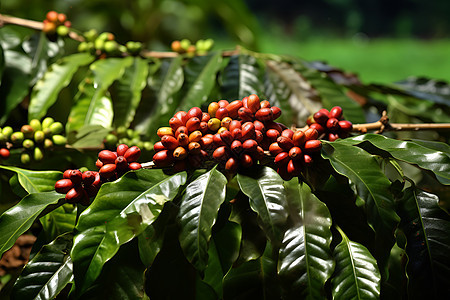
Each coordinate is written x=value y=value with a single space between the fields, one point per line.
x=132 y=154
x=121 y=149
x=62 y=186
x=4 y=153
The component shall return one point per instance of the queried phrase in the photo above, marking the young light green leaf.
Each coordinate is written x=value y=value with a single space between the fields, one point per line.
x=372 y=186
x=410 y=152
x=267 y=196
x=46 y=90
x=200 y=76
x=47 y=273
x=305 y=262
x=121 y=210
x=198 y=213
x=35 y=181
x=356 y=275
x=20 y=217
x=128 y=90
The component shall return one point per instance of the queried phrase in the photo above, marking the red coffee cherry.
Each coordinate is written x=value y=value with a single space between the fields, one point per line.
x=206 y=142
x=246 y=161
x=276 y=112
x=157 y=147
x=205 y=117
x=333 y=124
x=236 y=147
x=75 y=176
x=285 y=143
x=248 y=131
x=107 y=171
x=295 y=153
x=332 y=136
x=335 y=112
x=180 y=153
x=175 y=123
x=134 y=166
x=233 y=108
x=66 y=173
x=265 y=104
x=163 y=158
x=182 y=116
x=75 y=194
x=245 y=114
x=121 y=149
x=253 y=103
x=346 y=126
x=234 y=124
x=107 y=157
x=221 y=113
x=282 y=158
x=182 y=139
x=321 y=117
x=312 y=146
x=259 y=126
x=293 y=168
x=250 y=145
x=299 y=138
x=88 y=177
x=195 y=112
x=320 y=129
x=275 y=149
x=192 y=124
x=132 y=154
x=62 y=186
x=287 y=133
x=223 y=103
x=121 y=163
x=231 y=164
x=220 y=153
x=237 y=134
x=264 y=115
x=311 y=134
x=194 y=148
x=98 y=163
x=4 y=153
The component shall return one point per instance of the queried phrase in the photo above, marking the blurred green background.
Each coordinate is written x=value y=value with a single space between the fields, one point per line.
x=381 y=40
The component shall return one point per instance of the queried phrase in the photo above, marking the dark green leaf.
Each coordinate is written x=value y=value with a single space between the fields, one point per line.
x=129 y=88
x=411 y=152
x=2 y=63
x=59 y=221
x=267 y=196
x=121 y=278
x=35 y=181
x=48 y=272
x=165 y=84
x=20 y=217
x=15 y=82
x=426 y=89
x=305 y=262
x=59 y=75
x=255 y=279
x=356 y=275
x=278 y=89
x=241 y=77
x=418 y=108
x=426 y=227
x=372 y=186
x=438 y=146
x=222 y=253
x=200 y=76
x=332 y=94
x=120 y=211
x=198 y=213
x=90 y=136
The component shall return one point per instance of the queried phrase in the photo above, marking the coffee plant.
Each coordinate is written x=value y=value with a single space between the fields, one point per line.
x=214 y=174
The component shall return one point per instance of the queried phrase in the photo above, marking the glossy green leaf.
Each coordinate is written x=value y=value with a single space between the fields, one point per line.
x=121 y=278
x=267 y=196
x=93 y=106
x=278 y=89
x=426 y=227
x=222 y=253
x=332 y=94
x=90 y=136
x=241 y=77
x=15 y=82
x=20 y=217
x=48 y=272
x=128 y=90
x=200 y=74
x=59 y=75
x=356 y=275
x=35 y=181
x=418 y=108
x=438 y=146
x=165 y=83
x=59 y=221
x=411 y=152
x=305 y=262
x=198 y=213
x=373 y=187
x=255 y=279
x=121 y=210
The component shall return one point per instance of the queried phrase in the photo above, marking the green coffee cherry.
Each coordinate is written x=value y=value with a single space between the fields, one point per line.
x=17 y=137
x=99 y=44
x=7 y=131
x=124 y=141
x=83 y=169
x=47 y=122
x=36 y=124
x=25 y=158
x=185 y=43
x=208 y=44
x=59 y=140
x=47 y=132
x=38 y=155
x=48 y=143
x=28 y=144
x=121 y=131
x=39 y=136
x=91 y=35
x=111 y=140
x=83 y=47
x=111 y=47
x=62 y=30
x=130 y=133
x=106 y=36
x=148 y=146
x=123 y=49
x=56 y=128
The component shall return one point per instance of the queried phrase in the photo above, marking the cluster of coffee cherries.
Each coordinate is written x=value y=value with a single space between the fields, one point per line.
x=235 y=135
x=80 y=187
x=330 y=125
x=34 y=139
x=201 y=47
x=56 y=23
x=105 y=45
